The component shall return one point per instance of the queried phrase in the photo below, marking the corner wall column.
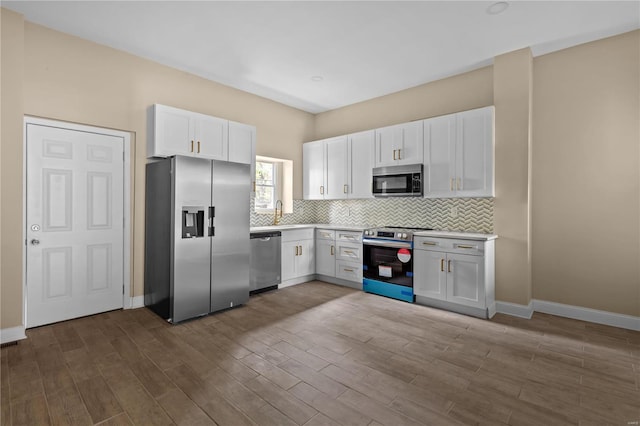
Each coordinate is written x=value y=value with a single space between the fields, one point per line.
x=512 y=95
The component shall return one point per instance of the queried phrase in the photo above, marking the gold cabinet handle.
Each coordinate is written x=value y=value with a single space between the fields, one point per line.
x=348 y=270
x=300 y=250
x=442 y=265
x=332 y=250
x=451 y=184
x=349 y=252
x=198 y=147
x=463 y=246
x=191 y=146
x=321 y=189
x=399 y=154
x=254 y=186
x=449 y=266
x=458 y=181
x=429 y=243
x=394 y=154
x=344 y=188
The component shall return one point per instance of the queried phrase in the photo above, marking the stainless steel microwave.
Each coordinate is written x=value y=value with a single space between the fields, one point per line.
x=398 y=181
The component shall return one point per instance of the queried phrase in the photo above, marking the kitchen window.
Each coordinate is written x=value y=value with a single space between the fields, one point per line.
x=266 y=189
x=274 y=181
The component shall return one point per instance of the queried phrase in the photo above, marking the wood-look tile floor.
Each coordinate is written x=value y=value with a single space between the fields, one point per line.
x=319 y=354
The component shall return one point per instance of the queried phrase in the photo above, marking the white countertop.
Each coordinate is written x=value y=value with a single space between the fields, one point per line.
x=308 y=225
x=456 y=234
x=440 y=234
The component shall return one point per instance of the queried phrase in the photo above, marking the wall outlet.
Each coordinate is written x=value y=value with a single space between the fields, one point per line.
x=454 y=211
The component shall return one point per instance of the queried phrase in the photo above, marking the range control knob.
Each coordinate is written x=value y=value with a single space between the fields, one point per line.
x=404 y=235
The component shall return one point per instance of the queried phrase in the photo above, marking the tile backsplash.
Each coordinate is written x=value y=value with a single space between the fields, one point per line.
x=451 y=214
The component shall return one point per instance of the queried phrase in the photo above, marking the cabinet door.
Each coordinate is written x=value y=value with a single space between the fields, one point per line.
x=336 y=171
x=313 y=170
x=306 y=260
x=410 y=148
x=465 y=280
x=211 y=137
x=429 y=277
x=386 y=146
x=289 y=258
x=439 y=156
x=242 y=143
x=360 y=147
x=474 y=153
x=172 y=133
x=325 y=258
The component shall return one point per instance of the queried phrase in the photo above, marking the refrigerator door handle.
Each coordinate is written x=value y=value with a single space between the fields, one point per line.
x=212 y=214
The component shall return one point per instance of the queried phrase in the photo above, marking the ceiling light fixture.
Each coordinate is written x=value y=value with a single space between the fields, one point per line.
x=497 y=8
x=317 y=78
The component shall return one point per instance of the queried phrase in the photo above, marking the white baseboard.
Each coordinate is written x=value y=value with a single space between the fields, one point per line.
x=569 y=311
x=587 y=314
x=12 y=334
x=514 y=309
x=136 y=302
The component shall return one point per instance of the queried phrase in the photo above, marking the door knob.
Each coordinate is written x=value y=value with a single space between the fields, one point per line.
x=35 y=242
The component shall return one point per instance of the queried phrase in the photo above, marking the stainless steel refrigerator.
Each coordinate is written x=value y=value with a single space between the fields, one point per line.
x=197 y=237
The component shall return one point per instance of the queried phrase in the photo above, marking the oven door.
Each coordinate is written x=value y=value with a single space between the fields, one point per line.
x=388 y=261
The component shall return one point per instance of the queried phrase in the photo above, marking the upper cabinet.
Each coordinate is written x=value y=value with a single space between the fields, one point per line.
x=399 y=144
x=360 y=149
x=338 y=168
x=181 y=132
x=458 y=155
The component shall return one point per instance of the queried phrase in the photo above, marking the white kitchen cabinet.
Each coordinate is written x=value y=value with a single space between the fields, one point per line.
x=339 y=255
x=297 y=255
x=337 y=164
x=455 y=274
x=361 y=148
x=325 y=252
x=313 y=170
x=458 y=155
x=338 y=168
x=399 y=144
x=180 y=132
x=242 y=147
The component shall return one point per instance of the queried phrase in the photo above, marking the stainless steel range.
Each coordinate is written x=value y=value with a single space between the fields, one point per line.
x=387 y=264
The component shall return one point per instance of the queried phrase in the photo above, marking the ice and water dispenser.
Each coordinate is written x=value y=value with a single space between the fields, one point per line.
x=192 y=222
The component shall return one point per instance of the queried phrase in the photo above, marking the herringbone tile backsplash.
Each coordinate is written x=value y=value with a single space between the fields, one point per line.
x=450 y=214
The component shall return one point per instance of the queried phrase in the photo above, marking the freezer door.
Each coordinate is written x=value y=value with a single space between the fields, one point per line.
x=230 y=243
x=191 y=277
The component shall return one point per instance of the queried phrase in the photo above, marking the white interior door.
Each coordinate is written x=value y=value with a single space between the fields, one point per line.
x=75 y=223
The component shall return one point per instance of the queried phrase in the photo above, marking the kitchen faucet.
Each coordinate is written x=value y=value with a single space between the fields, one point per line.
x=276 y=218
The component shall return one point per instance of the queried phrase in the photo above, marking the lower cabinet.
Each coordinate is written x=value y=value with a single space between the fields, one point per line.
x=339 y=255
x=455 y=274
x=326 y=252
x=298 y=259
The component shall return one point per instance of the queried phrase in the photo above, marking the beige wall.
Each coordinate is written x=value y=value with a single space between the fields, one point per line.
x=11 y=169
x=470 y=90
x=71 y=79
x=586 y=189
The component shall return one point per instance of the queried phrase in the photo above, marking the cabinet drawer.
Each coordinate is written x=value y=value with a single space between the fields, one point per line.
x=349 y=252
x=450 y=245
x=297 y=234
x=349 y=271
x=325 y=234
x=349 y=236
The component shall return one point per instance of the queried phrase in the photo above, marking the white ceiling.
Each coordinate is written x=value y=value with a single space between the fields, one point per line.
x=362 y=49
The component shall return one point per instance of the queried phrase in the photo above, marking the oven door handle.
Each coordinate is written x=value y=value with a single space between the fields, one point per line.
x=384 y=243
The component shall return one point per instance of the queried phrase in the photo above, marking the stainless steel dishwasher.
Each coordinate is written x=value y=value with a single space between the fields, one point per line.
x=265 y=261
